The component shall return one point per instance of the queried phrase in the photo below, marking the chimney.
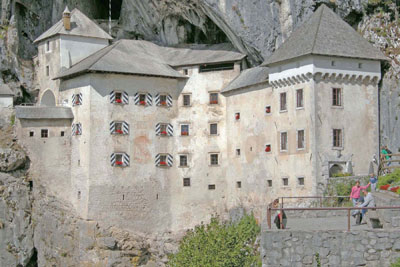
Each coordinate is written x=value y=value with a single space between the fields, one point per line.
x=67 y=19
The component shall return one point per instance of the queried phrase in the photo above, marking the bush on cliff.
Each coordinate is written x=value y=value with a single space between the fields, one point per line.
x=219 y=244
x=391 y=178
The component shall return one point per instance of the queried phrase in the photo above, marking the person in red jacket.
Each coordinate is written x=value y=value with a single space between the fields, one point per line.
x=355 y=192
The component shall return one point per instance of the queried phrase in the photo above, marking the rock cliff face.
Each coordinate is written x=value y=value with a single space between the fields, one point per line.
x=34 y=226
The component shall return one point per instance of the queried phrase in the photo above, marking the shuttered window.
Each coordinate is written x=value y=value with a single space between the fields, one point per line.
x=77 y=99
x=143 y=99
x=164 y=129
x=119 y=97
x=77 y=129
x=119 y=159
x=163 y=100
x=164 y=160
x=119 y=127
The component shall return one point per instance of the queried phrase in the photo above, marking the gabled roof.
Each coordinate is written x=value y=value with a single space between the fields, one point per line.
x=81 y=25
x=5 y=90
x=36 y=112
x=145 y=58
x=247 y=78
x=325 y=33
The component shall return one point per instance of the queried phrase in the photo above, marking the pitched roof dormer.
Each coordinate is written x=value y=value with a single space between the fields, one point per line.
x=325 y=33
x=80 y=25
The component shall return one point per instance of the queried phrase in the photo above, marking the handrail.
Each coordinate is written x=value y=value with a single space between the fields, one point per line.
x=312 y=197
x=269 y=212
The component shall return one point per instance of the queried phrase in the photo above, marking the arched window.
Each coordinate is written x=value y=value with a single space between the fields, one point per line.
x=335 y=169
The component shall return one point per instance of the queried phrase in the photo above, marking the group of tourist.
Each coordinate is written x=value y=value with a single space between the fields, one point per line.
x=366 y=201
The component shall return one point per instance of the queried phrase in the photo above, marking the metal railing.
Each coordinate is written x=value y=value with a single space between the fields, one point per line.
x=269 y=212
x=320 y=198
x=383 y=167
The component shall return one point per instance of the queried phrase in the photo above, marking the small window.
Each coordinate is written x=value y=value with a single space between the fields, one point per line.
x=300 y=180
x=118 y=128
x=283 y=104
x=237 y=116
x=118 y=160
x=213 y=98
x=163 y=160
x=268 y=148
x=44 y=133
x=183 y=161
x=142 y=99
x=336 y=97
x=163 y=129
x=185 y=71
x=163 y=100
x=337 y=138
x=360 y=65
x=237 y=152
x=31 y=133
x=62 y=133
x=216 y=67
x=186 y=100
x=239 y=184
x=186 y=182
x=285 y=181
x=299 y=98
x=333 y=63
x=214 y=159
x=300 y=139
x=184 y=129
x=211 y=187
x=47 y=71
x=269 y=183
x=213 y=128
x=118 y=97
x=284 y=141
x=268 y=110
x=79 y=194
x=48 y=46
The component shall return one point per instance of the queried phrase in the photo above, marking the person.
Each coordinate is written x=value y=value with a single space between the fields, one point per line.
x=384 y=154
x=373 y=180
x=355 y=192
x=369 y=201
x=280 y=217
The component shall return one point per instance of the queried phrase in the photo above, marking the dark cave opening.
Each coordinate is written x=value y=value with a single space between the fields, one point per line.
x=33 y=261
x=195 y=35
x=103 y=9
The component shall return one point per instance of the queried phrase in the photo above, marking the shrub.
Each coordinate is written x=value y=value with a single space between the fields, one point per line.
x=219 y=244
x=391 y=178
x=341 y=174
x=396 y=263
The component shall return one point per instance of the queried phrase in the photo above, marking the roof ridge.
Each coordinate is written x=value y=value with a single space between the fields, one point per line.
x=319 y=25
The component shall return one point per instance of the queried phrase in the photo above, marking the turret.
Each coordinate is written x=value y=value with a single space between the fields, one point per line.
x=67 y=19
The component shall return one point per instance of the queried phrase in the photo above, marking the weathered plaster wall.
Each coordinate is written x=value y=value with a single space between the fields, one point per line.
x=6 y=101
x=50 y=156
x=75 y=48
x=333 y=248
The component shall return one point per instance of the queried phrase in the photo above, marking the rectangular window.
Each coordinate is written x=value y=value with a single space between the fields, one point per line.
x=216 y=67
x=183 y=161
x=337 y=138
x=268 y=148
x=213 y=129
x=300 y=180
x=237 y=116
x=211 y=187
x=186 y=181
x=163 y=160
x=214 y=98
x=185 y=129
x=186 y=100
x=268 y=110
x=44 y=133
x=239 y=184
x=118 y=128
x=163 y=100
x=283 y=104
x=214 y=159
x=285 y=181
x=31 y=133
x=300 y=139
x=118 y=97
x=336 y=97
x=237 y=152
x=163 y=129
x=185 y=71
x=299 y=98
x=48 y=46
x=62 y=133
x=47 y=70
x=142 y=99
x=284 y=144
x=269 y=183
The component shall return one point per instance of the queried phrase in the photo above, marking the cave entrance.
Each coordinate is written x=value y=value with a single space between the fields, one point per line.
x=195 y=35
x=102 y=9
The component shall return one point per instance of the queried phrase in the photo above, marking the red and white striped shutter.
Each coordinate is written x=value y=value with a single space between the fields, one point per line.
x=125 y=127
x=170 y=160
x=112 y=97
x=125 y=98
x=158 y=129
x=170 y=129
x=149 y=100
x=169 y=100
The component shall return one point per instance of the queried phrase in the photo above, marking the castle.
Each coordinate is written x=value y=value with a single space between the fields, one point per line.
x=153 y=138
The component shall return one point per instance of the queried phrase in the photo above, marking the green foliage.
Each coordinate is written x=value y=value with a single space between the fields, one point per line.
x=317 y=260
x=341 y=174
x=12 y=119
x=219 y=244
x=391 y=178
x=396 y=263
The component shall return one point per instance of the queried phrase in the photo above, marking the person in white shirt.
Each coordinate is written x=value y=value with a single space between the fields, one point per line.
x=369 y=201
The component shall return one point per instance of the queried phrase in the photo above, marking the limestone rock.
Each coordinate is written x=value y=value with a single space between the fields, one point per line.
x=11 y=160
